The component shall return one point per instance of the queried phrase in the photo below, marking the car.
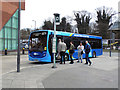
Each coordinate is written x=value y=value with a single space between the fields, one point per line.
x=24 y=45
x=119 y=48
x=108 y=48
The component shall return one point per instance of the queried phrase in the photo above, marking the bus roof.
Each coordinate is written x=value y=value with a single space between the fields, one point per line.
x=71 y=34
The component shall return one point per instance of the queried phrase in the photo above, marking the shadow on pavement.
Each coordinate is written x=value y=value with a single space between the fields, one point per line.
x=57 y=61
x=39 y=63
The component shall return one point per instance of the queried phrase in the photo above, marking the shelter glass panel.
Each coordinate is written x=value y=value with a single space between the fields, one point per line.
x=14 y=34
x=14 y=23
x=9 y=24
x=6 y=43
x=14 y=44
x=9 y=44
x=16 y=14
x=9 y=33
x=1 y=34
x=6 y=33
x=1 y=44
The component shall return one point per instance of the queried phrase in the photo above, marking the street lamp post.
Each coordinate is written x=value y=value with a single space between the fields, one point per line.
x=18 y=50
x=35 y=24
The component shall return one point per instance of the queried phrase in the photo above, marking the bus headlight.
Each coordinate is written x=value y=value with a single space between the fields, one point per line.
x=36 y=54
x=44 y=54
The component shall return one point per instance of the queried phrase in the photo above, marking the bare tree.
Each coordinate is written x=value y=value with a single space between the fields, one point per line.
x=24 y=33
x=93 y=28
x=48 y=25
x=104 y=16
x=83 y=19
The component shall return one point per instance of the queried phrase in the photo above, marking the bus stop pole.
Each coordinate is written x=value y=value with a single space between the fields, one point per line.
x=54 y=44
x=18 y=50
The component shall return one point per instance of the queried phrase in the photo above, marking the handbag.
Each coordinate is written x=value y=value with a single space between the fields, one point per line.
x=71 y=51
x=58 y=56
x=81 y=52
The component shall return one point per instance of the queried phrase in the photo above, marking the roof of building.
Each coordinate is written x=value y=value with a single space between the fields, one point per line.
x=7 y=9
x=115 y=26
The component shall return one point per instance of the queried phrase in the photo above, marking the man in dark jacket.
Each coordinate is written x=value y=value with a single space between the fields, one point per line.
x=87 y=51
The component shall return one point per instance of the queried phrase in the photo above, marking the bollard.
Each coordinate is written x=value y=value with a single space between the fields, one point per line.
x=23 y=51
x=5 y=51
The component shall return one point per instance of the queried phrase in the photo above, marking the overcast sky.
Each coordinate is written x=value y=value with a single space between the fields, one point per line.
x=40 y=10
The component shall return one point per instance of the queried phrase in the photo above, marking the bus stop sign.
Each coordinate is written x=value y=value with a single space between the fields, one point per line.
x=57 y=18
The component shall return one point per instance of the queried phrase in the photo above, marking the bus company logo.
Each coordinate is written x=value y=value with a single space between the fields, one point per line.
x=77 y=35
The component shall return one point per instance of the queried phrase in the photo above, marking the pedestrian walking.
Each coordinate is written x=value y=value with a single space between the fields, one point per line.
x=80 y=52
x=87 y=51
x=63 y=49
x=71 y=51
x=58 y=49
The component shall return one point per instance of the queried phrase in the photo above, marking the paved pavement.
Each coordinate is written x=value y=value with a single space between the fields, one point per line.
x=102 y=74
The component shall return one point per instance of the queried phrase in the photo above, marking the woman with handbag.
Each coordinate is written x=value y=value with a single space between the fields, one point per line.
x=80 y=52
x=71 y=51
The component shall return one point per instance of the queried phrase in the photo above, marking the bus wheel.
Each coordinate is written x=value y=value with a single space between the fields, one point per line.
x=66 y=57
x=94 y=54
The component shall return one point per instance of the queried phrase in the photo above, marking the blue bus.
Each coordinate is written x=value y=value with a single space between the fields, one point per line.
x=40 y=44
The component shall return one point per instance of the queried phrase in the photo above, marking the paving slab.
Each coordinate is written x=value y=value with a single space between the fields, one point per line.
x=81 y=77
x=18 y=84
x=30 y=84
x=6 y=83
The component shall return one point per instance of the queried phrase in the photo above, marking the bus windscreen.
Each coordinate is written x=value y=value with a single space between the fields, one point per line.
x=38 y=41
